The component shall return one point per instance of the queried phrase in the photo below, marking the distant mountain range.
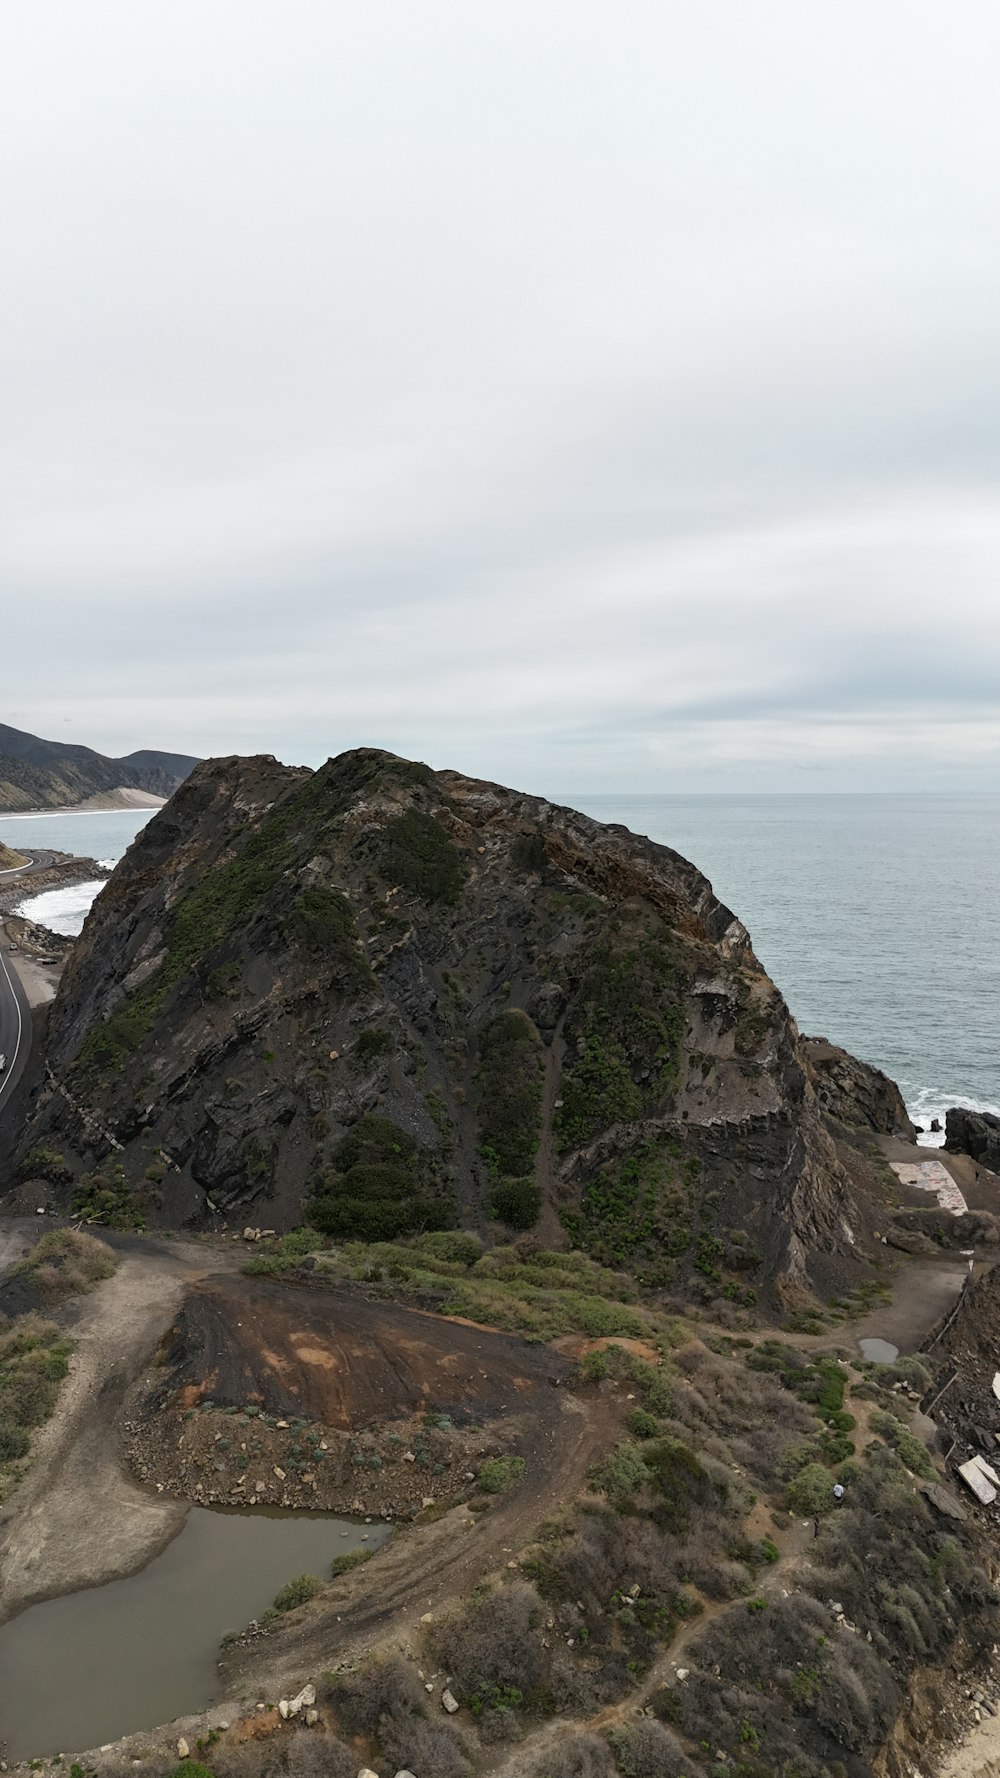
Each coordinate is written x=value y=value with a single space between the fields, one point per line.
x=36 y=774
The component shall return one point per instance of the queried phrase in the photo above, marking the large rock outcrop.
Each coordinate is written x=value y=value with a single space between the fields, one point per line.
x=400 y=999
x=856 y=1093
x=976 y=1133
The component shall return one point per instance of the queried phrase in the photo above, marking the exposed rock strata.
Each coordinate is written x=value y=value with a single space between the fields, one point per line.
x=549 y=1013
x=856 y=1093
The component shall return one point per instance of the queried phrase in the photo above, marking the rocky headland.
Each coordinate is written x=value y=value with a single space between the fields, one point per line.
x=521 y=1215
x=398 y=1000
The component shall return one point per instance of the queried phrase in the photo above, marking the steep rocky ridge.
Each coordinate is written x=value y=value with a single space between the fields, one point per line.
x=400 y=999
x=975 y=1133
x=38 y=774
x=856 y=1093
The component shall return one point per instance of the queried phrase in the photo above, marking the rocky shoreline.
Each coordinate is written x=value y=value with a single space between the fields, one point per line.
x=62 y=873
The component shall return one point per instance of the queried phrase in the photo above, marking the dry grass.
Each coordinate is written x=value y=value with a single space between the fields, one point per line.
x=66 y=1262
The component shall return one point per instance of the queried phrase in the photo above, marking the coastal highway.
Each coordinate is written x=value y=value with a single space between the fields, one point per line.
x=15 y=1017
x=41 y=861
x=15 y=1026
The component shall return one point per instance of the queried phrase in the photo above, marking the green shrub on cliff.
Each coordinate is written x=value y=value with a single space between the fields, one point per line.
x=420 y=855
x=381 y=1185
x=511 y=1066
x=297 y=1592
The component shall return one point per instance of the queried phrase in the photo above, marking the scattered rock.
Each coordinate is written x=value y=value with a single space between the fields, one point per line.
x=450 y=1702
x=183 y=1750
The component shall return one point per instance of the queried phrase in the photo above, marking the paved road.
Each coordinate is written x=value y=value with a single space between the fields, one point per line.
x=40 y=861
x=15 y=1026
x=15 y=1017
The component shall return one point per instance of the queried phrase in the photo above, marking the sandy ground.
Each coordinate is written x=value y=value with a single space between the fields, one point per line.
x=102 y=803
x=979 y=1754
x=77 y=1519
x=922 y=1294
x=39 y=980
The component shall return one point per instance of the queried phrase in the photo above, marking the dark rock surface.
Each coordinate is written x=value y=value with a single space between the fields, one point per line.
x=854 y=1092
x=975 y=1133
x=407 y=999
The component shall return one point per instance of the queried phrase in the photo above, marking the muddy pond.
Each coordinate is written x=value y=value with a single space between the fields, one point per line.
x=79 y=1671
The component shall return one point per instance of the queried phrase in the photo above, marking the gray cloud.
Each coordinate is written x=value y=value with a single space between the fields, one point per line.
x=584 y=395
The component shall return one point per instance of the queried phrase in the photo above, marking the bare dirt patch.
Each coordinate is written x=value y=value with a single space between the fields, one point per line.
x=289 y=1395
x=335 y=1357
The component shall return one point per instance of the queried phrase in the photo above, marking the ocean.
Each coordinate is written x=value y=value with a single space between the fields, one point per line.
x=103 y=837
x=877 y=916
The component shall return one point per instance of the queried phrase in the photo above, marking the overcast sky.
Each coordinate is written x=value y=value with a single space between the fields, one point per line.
x=591 y=394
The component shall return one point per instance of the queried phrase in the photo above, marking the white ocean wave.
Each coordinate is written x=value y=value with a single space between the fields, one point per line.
x=107 y=863
x=934 y=1102
x=62 y=910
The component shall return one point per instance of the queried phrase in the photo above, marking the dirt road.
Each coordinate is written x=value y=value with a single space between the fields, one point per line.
x=77 y=1519
x=423 y=1570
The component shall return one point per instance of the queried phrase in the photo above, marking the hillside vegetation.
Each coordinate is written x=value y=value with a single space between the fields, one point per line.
x=388 y=1000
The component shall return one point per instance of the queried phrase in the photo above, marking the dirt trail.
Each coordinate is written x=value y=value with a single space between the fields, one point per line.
x=793 y=1541
x=77 y=1519
x=425 y=1569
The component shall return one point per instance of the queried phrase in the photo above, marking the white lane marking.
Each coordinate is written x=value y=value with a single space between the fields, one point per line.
x=14 y=868
x=5 y=1079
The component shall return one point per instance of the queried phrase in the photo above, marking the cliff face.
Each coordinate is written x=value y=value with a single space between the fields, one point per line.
x=855 y=1093
x=975 y=1133
x=401 y=999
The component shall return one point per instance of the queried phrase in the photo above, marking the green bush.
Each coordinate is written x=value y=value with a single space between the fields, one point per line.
x=511 y=1066
x=498 y=1474
x=45 y=1163
x=371 y=1043
x=381 y=1186
x=350 y=1559
x=907 y=1447
x=598 y=1091
x=642 y=1424
x=517 y=1202
x=452 y=1245
x=811 y=1493
x=14 y=1442
x=106 y=1197
x=622 y=1475
x=421 y=856
x=681 y=1481
x=297 y=1592
x=626 y=1022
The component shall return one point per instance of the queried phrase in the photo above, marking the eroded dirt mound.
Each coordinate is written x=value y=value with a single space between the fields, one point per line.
x=291 y=1396
x=334 y=1357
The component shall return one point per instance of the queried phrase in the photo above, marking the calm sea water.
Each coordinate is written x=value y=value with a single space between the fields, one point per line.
x=877 y=916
